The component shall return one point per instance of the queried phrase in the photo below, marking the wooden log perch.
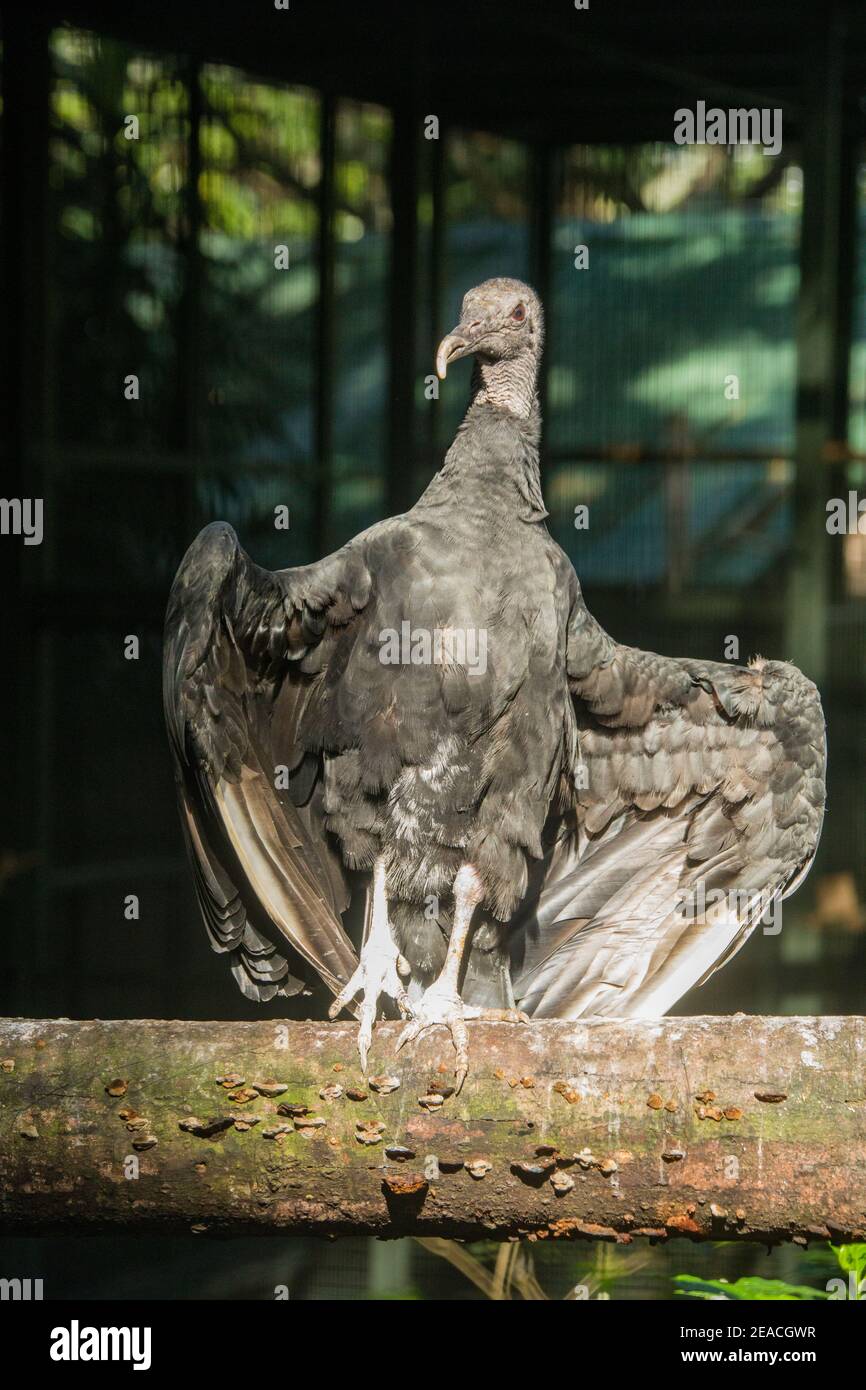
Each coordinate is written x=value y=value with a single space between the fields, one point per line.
x=714 y=1128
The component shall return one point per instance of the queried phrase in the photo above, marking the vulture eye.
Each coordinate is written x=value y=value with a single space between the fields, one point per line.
x=518 y=314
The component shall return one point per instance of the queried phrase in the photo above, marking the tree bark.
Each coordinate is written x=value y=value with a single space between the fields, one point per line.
x=714 y=1128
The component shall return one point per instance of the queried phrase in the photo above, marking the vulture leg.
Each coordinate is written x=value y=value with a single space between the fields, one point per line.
x=441 y=1002
x=378 y=970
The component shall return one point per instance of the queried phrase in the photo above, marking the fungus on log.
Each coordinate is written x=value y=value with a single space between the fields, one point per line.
x=714 y=1128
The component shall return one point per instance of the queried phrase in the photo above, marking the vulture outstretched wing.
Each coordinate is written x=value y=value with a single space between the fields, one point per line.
x=701 y=795
x=246 y=654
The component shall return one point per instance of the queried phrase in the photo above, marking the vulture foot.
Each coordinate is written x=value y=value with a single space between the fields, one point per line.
x=378 y=971
x=442 y=1004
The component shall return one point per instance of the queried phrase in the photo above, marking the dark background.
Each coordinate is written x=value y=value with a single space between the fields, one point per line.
x=305 y=387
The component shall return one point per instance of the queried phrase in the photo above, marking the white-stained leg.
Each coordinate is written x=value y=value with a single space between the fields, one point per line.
x=441 y=1002
x=379 y=969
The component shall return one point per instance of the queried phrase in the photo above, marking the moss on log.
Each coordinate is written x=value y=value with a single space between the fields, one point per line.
x=714 y=1128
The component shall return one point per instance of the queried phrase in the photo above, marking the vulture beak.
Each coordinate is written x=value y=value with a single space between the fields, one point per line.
x=458 y=343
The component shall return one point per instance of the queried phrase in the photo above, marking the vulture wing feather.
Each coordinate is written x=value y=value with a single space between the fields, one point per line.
x=270 y=885
x=700 y=798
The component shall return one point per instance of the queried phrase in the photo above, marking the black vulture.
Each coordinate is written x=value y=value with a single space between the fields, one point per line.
x=552 y=824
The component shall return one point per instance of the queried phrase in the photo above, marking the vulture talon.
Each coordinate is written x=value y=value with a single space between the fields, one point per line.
x=376 y=975
x=370 y=985
x=442 y=1005
x=378 y=971
x=441 y=1002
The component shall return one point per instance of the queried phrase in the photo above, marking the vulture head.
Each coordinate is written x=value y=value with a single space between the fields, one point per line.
x=501 y=321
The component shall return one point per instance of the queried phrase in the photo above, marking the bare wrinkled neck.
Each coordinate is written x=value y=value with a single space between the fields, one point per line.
x=506 y=384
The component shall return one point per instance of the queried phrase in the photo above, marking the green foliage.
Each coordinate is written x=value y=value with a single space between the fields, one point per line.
x=850 y=1259
x=751 y=1288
